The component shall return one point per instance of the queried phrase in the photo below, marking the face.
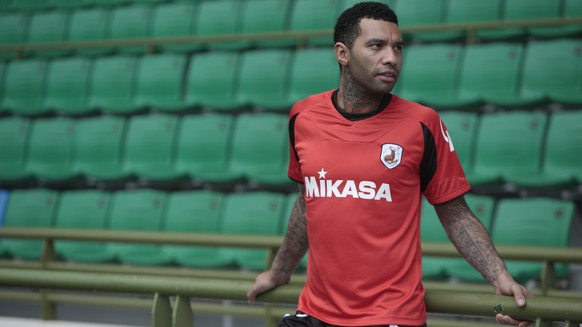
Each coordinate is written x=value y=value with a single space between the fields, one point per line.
x=373 y=63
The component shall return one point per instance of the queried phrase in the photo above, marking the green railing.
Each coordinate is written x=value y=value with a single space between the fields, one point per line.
x=301 y=37
x=49 y=273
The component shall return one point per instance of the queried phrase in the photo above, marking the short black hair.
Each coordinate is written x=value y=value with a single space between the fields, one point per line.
x=347 y=26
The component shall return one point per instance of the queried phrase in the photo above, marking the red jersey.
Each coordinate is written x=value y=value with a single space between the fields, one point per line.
x=363 y=178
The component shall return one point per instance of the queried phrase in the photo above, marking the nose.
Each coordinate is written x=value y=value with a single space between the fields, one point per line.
x=390 y=57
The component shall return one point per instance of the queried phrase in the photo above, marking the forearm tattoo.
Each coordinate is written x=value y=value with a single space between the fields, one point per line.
x=295 y=244
x=471 y=238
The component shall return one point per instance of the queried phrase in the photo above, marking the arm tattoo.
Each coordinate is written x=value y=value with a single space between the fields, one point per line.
x=471 y=238
x=295 y=243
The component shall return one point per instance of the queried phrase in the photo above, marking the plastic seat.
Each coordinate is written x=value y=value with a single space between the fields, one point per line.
x=14 y=133
x=65 y=4
x=130 y=22
x=260 y=148
x=50 y=149
x=48 y=27
x=422 y=12
x=218 y=18
x=67 y=86
x=138 y=210
x=462 y=11
x=308 y=15
x=313 y=71
x=99 y=147
x=87 y=210
x=90 y=25
x=562 y=159
x=4 y=195
x=204 y=145
x=432 y=74
x=523 y=222
x=572 y=8
x=507 y=144
x=34 y=208
x=12 y=31
x=160 y=82
x=251 y=213
x=195 y=212
x=24 y=86
x=522 y=10
x=266 y=16
x=174 y=20
x=264 y=78
x=490 y=72
x=212 y=81
x=31 y=5
x=150 y=147
x=463 y=129
x=113 y=84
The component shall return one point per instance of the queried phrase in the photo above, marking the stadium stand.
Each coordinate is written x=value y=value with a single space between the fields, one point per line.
x=113 y=84
x=29 y=5
x=14 y=133
x=24 y=87
x=174 y=20
x=217 y=18
x=421 y=12
x=67 y=86
x=312 y=71
x=462 y=11
x=12 y=30
x=463 y=129
x=266 y=16
x=48 y=27
x=83 y=209
x=89 y=25
x=314 y=15
x=130 y=22
x=28 y=208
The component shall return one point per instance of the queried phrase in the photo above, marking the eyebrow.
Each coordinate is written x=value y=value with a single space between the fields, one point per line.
x=384 y=41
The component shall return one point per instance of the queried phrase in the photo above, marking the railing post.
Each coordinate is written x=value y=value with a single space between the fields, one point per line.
x=161 y=311
x=182 y=316
x=548 y=277
x=48 y=308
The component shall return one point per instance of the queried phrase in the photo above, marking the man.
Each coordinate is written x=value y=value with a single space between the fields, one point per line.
x=363 y=158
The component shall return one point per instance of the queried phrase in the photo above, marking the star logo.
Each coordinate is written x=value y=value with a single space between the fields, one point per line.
x=322 y=173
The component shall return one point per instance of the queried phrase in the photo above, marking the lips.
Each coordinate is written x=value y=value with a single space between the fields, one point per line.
x=388 y=76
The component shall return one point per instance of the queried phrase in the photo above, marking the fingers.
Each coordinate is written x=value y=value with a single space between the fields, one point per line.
x=519 y=294
x=252 y=295
x=507 y=320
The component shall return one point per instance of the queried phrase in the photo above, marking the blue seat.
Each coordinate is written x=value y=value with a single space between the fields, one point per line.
x=3 y=204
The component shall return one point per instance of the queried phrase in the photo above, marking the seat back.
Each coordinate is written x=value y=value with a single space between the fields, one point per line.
x=173 y=20
x=462 y=128
x=266 y=16
x=14 y=133
x=33 y=208
x=309 y=15
x=12 y=30
x=50 y=150
x=113 y=84
x=24 y=87
x=420 y=12
x=48 y=27
x=90 y=25
x=68 y=85
x=130 y=22
x=160 y=82
x=217 y=18
x=312 y=71
x=563 y=145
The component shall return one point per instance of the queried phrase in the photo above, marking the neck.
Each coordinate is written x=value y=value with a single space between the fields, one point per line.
x=352 y=98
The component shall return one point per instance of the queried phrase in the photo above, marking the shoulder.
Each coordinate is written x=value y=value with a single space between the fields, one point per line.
x=311 y=102
x=424 y=114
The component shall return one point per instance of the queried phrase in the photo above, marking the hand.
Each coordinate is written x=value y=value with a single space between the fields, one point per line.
x=264 y=282
x=509 y=287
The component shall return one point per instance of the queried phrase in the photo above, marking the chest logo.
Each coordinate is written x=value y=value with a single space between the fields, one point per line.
x=391 y=155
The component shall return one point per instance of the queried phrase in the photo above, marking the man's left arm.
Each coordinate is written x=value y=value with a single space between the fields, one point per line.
x=473 y=242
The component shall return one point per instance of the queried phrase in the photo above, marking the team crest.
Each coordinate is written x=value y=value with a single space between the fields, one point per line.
x=391 y=155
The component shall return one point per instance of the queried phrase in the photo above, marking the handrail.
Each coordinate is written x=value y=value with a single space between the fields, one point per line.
x=298 y=35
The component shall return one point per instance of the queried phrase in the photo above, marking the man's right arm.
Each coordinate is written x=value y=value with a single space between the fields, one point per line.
x=292 y=250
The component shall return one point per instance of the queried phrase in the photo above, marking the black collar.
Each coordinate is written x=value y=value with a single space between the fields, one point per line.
x=355 y=117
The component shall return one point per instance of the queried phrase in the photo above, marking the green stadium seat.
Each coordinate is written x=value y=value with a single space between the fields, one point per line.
x=490 y=72
x=312 y=71
x=160 y=82
x=86 y=210
x=522 y=10
x=113 y=84
x=266 y=16
x=130 y=22
x=34 y=208
x=2 y=71
x=260 y=148
x=264 y=78
x=572 y=8
x=90 y=25
x=99 y=147
x=433 y=231
x=421 y=12
x=462 y=128
x=219 y=18
x=24 y=86
x=251 y=213
x=432 y=74
x=527 y=222
x=14 y=133
x=462 y=12
x=289 y=203
x=50 y=149
x=195 y=212
x=4 y=5
x=31 y=5
x=65 y=4
x=204 y=145
x=12 y=30
x=138 y=210
x=150 y=146
x=212 y=81
x=48 y=27
x=107 y=2
x=309 y=15
x=67 y=86
x=562 y=158
x=174 y=20
x=508 y=143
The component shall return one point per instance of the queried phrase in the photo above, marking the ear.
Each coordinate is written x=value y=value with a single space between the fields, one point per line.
x=342 y=53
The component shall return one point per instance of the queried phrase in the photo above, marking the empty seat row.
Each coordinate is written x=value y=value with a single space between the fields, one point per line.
x=248 y=213
x=215 y=18
x=503 y=74
x=526 y=149
x=272 y=79
x=208 y=147
x=533 y=221
x=33 y=5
